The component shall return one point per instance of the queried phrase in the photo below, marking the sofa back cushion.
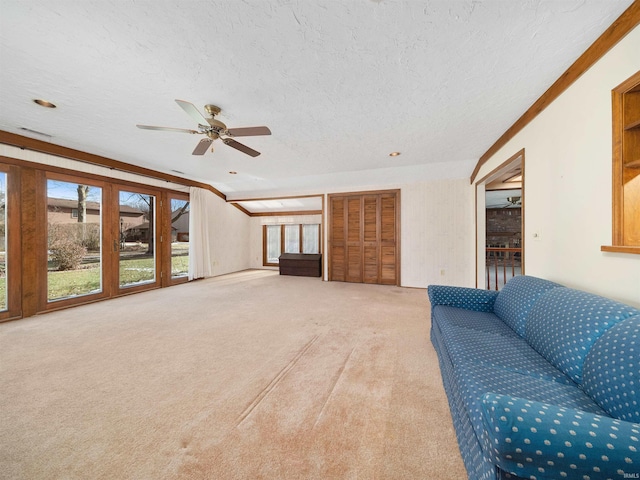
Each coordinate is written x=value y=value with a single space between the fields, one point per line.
x=611 y=372
x=565 y=323
x=516 y=299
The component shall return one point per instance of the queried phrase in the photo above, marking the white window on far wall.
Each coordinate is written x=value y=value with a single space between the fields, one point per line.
x=296 y=238
x=311 y=238
x=292 y=239
x=272 y=243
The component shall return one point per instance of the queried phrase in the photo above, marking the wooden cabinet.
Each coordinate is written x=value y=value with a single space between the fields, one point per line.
x=363 y=237
x=626 y=166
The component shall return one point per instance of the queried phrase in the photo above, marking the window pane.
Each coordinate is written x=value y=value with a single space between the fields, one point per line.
x=273 y=243
x=137 y=239
x=292 y=239
x=74 y=240
x=311 y=239
x=3 y=241
x=179 y=238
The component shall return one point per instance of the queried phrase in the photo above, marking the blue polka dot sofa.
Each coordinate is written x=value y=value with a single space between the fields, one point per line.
x=542 y=380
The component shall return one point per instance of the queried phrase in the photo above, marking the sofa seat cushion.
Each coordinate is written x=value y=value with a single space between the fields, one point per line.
x=564 y=324
x=476 y=321
x=516 y=299
x=611 y=373
x=474 y=381
x=469 y=346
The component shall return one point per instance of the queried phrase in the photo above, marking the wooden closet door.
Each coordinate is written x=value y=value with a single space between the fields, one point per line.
x=363 y=235
x=371 y=239
x=337 y=245
x=389 y=258
x=354 y=239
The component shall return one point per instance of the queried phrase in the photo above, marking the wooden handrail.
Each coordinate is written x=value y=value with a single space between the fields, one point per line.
x=508 y=257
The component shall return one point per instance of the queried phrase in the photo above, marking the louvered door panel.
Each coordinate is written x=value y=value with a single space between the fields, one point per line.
x=338 y=252
x=354 y=239
x=364 y=237
x=371 y=239
x=388 y=240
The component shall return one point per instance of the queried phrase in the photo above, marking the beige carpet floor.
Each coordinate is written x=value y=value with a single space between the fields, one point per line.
x=246 y=376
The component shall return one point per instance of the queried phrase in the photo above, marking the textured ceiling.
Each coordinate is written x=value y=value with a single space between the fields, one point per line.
x=341 y=84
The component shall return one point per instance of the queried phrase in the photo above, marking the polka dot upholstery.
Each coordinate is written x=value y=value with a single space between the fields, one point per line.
x=486 y=363
x=565 y=323
x=537 y=440
x=516 y=299
x=611 y=372
x=470 y=320
x=461 y=297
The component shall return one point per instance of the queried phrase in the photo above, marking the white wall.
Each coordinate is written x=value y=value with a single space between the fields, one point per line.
x=568 y=183
x=436 y=232
x=229 y=234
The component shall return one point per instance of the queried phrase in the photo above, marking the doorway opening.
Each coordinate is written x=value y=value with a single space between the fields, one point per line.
x=500 y=224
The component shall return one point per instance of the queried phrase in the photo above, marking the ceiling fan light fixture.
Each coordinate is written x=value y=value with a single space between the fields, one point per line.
x=44 y=103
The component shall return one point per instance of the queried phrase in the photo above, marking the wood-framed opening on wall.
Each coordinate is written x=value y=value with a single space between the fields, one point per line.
x=625 y=101
x=288 y=238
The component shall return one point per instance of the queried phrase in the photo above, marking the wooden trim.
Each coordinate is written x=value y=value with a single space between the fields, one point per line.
x=287 y=214
x=64 y=152
x=621 y=211
x=617 y=204
x=620 y=249
x=626 y=22
x=166 y=278
x=13 y=252
x=242 y=209
x=89 y=176
x=503 y=165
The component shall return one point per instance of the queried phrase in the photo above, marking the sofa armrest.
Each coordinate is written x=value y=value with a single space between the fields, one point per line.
x=533 y=439
x=462 y=297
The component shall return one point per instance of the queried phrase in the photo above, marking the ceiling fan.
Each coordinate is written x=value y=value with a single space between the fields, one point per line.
x=213 y=129
x=512 y=202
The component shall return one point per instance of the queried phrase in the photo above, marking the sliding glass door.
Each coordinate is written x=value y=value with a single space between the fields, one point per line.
x=74 y=238
x=137 y=265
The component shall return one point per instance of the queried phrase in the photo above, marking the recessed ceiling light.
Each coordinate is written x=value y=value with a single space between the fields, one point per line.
x=233 y=173
x=394 y=154
x=44 y=103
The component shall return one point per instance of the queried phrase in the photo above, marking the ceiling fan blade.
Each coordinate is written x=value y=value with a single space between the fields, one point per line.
x=202 y=147
x=241 y=147
x=193 y=112
x=248 y=131
x=167 y=129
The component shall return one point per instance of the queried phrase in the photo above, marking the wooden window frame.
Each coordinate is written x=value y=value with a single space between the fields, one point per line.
x=26 y=225
x=626 y=142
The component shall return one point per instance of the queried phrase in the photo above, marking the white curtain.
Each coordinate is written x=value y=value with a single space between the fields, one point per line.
x=199 y=242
